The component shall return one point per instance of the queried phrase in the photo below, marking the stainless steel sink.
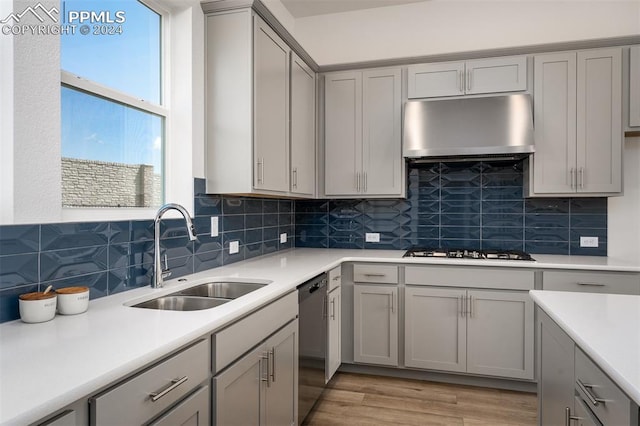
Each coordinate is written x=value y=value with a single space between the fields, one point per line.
x=181 y=303
x=221 y=289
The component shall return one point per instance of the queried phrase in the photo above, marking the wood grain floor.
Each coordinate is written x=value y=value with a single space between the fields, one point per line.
x=357 y=399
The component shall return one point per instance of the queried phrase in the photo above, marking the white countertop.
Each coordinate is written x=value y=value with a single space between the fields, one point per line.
x=605 y=326
x=44 y=367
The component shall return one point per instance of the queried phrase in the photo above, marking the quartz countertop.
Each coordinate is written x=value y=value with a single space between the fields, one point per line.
x=605 y=326
x=46 y=366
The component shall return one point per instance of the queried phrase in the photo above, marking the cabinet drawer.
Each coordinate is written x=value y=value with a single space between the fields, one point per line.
x=505 y=278
x=592 y=282
x=147 y=394
x=387 y=274
x=592 y=383
x=239 y=337
x=335 y=278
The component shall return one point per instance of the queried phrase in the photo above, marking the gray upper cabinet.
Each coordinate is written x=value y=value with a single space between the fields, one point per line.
x=578 y=123
x=271 y=109
x=303 y=129
x=363 y=151
x=478 y=76
x=634 y=87
x=255 y=143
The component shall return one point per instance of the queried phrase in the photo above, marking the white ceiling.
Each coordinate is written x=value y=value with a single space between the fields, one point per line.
x=302 y=8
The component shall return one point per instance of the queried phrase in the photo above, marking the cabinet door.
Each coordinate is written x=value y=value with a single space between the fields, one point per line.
x=435 y=329
x=500 y=334
x=343 y=133
x=281 y=387
x=437 y=79
x=193 y=411
x=556 y=372
x=236 y=391
x=303 y=129
x=583 y=414
x=599 y=127
x=271 y=109
x=634 y=87
x=334 y=348
x=554 y=112
x=382 y=147
x=375 y=324
x=495 y=75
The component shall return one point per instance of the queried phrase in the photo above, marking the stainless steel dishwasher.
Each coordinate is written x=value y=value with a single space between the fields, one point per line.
x=312 y=301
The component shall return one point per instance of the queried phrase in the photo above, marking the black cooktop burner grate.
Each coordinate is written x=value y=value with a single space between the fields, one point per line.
x=468 y=254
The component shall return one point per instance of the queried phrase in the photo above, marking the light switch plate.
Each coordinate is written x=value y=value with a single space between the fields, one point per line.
x=283 y=237
x=234 y=247
x=372 y=237
x=588 y=241
x=214 y=226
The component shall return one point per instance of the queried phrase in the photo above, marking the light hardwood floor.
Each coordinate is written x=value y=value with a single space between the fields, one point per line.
x=357 y=399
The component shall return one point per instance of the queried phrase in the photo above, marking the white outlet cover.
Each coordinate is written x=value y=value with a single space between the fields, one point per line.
x=234 y=247
x=214 y=226
x=588 y=241
x=372 y=237
x=283 y=237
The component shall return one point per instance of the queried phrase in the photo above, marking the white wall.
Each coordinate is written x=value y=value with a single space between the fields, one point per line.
x=624 y=212
x=436 y=27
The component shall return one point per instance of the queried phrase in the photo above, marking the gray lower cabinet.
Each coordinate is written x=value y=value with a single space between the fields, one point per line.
x=592 y=282
x=486 y=332
x=261 y=387
x=334 y=348
x=193 y=411
x=634 y=86
x=572 y=389
x=151 y=393
x=555 y=372
x=375 y=324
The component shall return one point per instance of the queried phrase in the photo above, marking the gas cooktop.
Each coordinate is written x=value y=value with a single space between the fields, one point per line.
x=468 y=254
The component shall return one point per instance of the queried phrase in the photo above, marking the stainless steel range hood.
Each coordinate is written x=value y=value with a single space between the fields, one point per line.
x=468 y=128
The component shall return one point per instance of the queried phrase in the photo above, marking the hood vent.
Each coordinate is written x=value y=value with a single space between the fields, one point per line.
x=488 y=128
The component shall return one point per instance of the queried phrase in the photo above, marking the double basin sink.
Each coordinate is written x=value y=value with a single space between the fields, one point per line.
x=203 y=296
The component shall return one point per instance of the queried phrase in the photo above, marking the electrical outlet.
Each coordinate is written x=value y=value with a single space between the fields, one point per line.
x=283 y=237
x=588 y=241
x=214 y=226
x=372 y=237
x=234 y=247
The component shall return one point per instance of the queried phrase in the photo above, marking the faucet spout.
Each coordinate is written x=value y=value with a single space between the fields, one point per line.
x=158 y=273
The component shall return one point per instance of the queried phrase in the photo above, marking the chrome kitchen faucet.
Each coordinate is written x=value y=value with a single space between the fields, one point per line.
x=160 y=274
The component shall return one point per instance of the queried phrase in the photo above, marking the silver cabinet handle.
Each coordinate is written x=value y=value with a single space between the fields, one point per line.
x=260 y=170
x=470 y=306
x=273 y=364
x=568 y=417
x=461 y=81
x=468 y=80
x=572 y=177
x=592 y=398
x=393 y=303
x=462 y=310
x=154 y=396
x=375 y=275
x=333 y=308
x=592 y=284
x=294 y=177
x=581 y=178
x=337 y=277
x=265 y=357
x=358 y=182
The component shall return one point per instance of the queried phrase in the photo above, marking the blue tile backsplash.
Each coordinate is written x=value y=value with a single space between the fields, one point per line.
x=475 y=204
x=111 y=257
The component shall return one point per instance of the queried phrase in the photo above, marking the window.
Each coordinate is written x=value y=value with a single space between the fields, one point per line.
x=113 y=118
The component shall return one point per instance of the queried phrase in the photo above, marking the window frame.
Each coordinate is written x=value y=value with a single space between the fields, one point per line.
x=68 y=79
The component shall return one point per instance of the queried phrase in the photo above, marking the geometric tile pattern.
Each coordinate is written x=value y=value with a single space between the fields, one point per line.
x=110 y=257
x=468 y=204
